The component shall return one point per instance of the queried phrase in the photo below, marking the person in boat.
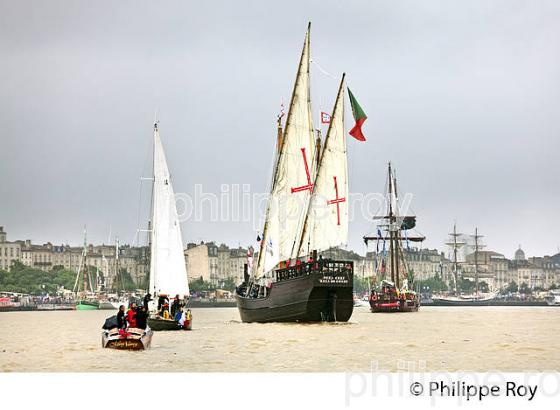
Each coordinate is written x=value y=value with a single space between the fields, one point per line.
x=187 y=318
x=147 y=299
x=161 y=301
x=142 y=317
x=131 y=315
x=175 y=306
x=178 y=315
x=165 y=309
x=121 y=322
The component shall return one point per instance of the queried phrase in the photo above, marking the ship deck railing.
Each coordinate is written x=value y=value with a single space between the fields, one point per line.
x=325 y=267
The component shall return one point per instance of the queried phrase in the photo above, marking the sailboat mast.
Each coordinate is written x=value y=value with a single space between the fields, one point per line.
x=151 y=272
x=397 y=234
x=118 y=277
x=476 y=259
x=318 y=149
x=456 y=267
x=279 y=135
x=455 y=244
x=85 y=266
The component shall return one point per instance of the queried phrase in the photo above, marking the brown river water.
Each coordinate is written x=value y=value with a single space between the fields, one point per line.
x=433 y=339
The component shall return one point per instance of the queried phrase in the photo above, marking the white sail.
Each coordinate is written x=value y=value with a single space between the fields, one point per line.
x=326 y=224
x=168 y=274
x=294 y=174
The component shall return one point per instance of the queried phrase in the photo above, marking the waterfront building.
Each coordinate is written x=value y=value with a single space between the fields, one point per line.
x=215 y=264
x=423 y=263
x=48 y=256
x=202 y=261
x=427 y=263
x=9 y=251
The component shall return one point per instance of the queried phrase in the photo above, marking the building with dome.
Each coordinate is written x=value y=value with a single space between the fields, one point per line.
x=519 y=254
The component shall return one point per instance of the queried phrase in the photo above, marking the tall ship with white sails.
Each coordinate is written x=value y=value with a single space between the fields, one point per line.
x=168 y=273
x=458 y=298
x=307 y=213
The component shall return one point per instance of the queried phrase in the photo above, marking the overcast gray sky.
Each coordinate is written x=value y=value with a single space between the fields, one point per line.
x=462 y=96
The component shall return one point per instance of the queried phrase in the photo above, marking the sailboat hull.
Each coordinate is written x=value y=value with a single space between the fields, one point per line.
x=87 y=305
x=442 y=301
x=157 y=323
x=130 y=339
x=311 y=295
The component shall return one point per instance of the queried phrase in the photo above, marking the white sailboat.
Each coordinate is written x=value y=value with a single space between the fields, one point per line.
x=168 y=273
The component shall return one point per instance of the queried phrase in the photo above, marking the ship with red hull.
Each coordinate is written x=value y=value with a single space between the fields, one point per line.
x=396 y=294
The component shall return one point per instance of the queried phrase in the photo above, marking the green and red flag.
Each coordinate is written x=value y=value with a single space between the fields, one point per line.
x=359 y=116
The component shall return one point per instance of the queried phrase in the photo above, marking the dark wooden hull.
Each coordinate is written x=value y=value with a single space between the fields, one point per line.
x=317 y=295
x=161 y=324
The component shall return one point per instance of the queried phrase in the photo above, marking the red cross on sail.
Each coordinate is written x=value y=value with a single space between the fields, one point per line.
x=336 y=201
x=309 y=185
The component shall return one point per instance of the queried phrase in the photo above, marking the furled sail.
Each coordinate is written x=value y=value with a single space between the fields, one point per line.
x=326 y=223
x=168 y=274
x=293 y=177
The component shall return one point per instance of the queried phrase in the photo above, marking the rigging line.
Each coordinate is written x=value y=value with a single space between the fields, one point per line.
x=322 y=70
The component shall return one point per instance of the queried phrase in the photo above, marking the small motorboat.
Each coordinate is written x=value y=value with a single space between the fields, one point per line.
x=131 y=338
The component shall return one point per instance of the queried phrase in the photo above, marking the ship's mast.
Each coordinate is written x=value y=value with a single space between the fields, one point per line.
x=279 y=135
x=477 y=247
x=455 y=244
x=394 y=226
x=476 y=236
x=397 y=230
x=394 y=278
x=455 y=256
x=85 y=272
x=152 y=275
x=118 y=277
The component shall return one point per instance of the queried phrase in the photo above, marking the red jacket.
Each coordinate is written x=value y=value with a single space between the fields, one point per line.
x=131 y=318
